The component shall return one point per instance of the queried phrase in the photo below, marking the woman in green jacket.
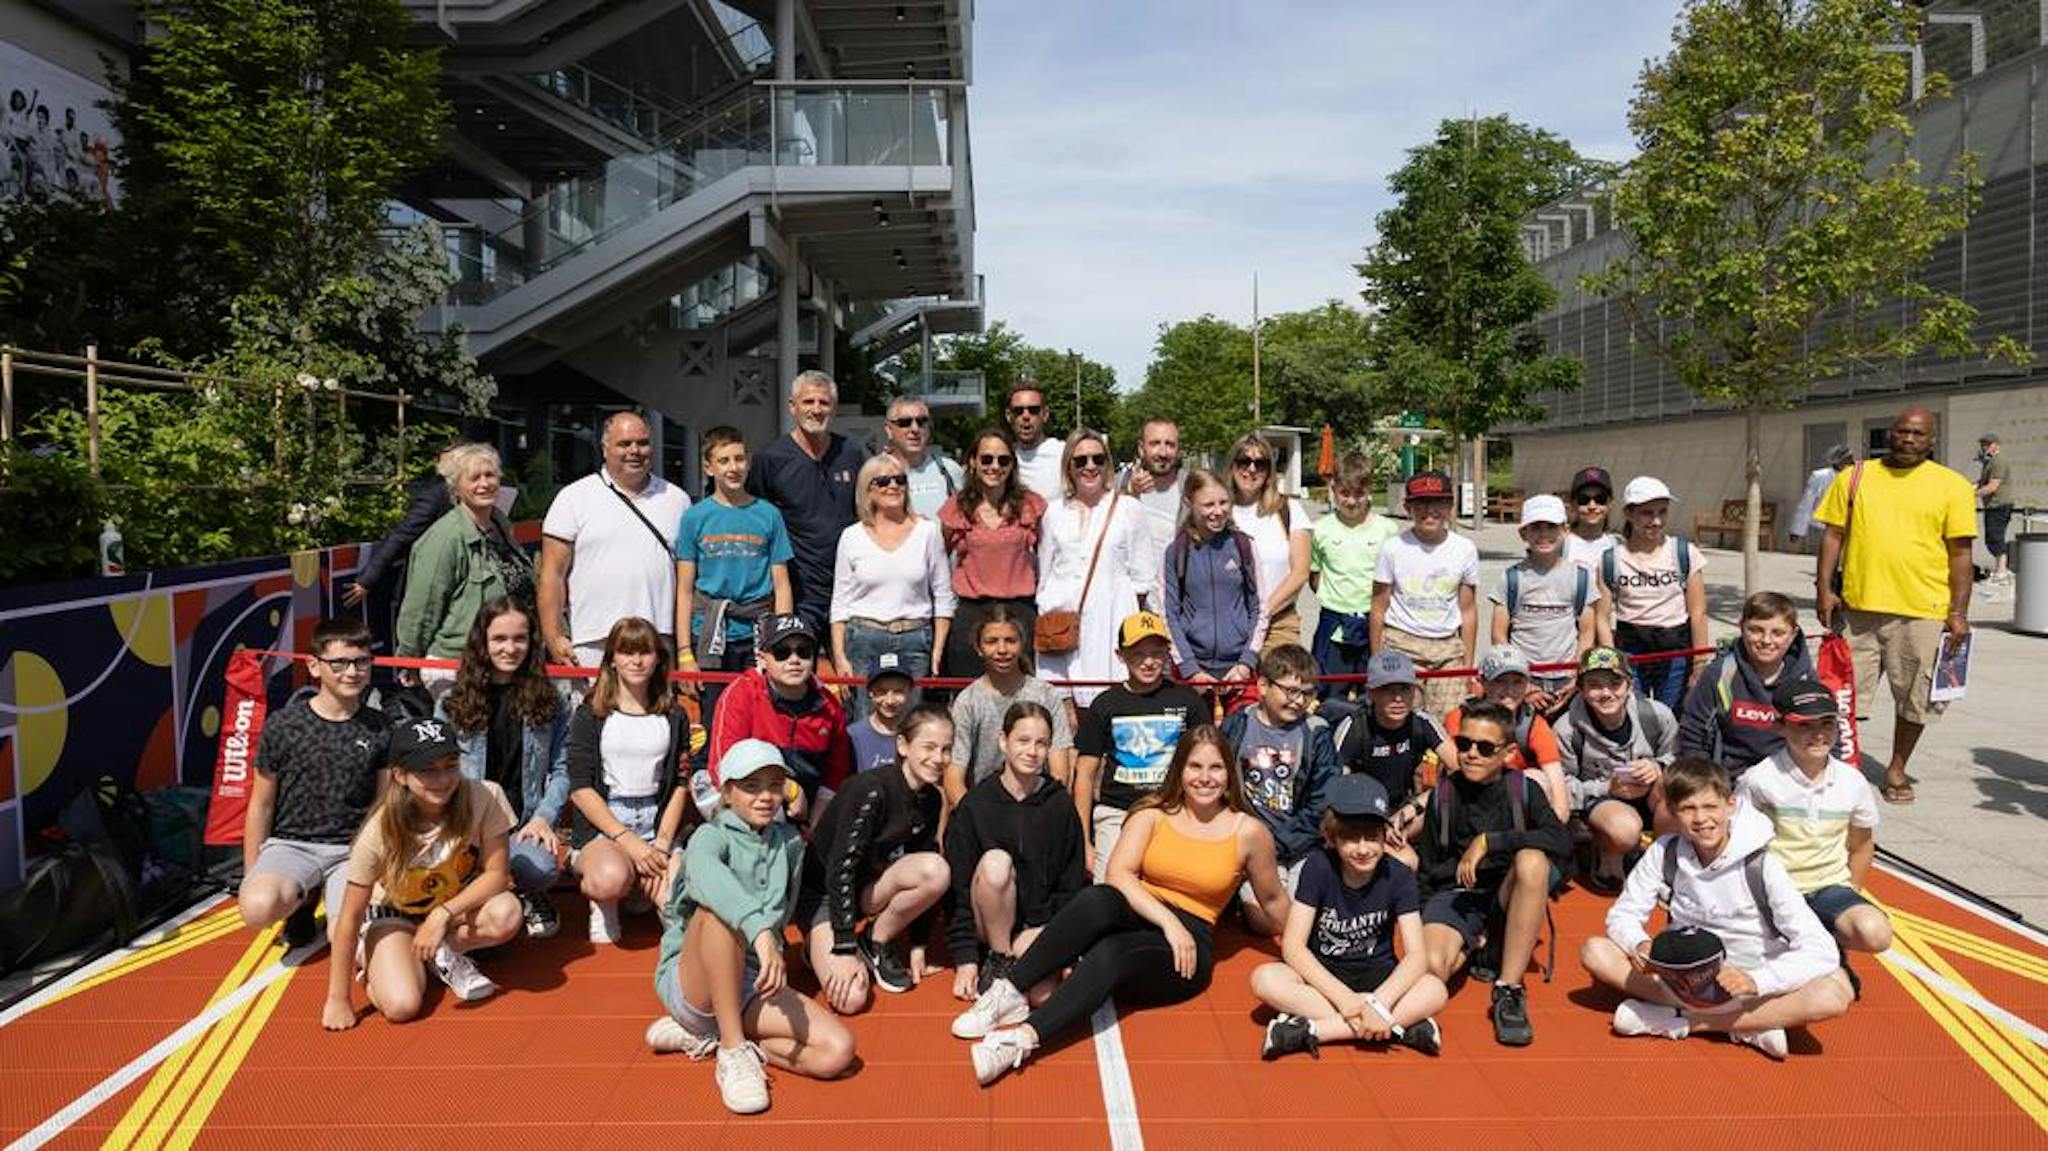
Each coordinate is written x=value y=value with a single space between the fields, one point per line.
x=466 y=558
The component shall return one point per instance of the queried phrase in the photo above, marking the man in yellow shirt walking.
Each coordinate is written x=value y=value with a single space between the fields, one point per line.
x=1901 y=529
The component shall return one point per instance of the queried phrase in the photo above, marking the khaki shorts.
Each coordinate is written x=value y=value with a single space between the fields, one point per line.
x=1441 y=694
x=1285 y=627
x=1901 y=648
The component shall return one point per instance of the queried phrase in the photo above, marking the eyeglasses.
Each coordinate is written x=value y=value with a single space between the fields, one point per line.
x=795 y=649
x=360 y=664
x=989 y=461
x=1484 y=747
x=1255 y=463
x=892 y=480
x=1090 y=460
x=1026 y=409
x=911 y=422
x=1292 y=693
x=1590 y=499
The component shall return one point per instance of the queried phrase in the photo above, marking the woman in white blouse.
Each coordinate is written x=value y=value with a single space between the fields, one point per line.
x=1279 y=527
x=1126 y=577
x=892 y=590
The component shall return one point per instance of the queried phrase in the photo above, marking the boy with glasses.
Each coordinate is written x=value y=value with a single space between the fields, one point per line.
x=1425 y=592
x=1126 y=737
x=1490 y=853
x=1038 y=455
x=1287 y=764
x=782 y=702
x=933 y=477
x=317 y=766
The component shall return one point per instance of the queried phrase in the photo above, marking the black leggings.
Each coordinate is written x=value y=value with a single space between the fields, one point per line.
x=1113 y=950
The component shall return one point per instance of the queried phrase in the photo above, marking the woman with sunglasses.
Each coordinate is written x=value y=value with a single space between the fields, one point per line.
x=1279 y=529
x=1090 y=517
x=991 y=531
x=892 y=590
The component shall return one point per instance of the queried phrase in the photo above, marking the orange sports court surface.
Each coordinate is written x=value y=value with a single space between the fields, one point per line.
x=203 y=1038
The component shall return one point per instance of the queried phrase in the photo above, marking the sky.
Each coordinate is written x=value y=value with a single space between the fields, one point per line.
x=1137 y=161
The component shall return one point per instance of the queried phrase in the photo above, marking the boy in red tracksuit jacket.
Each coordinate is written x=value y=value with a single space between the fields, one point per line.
x=782 y=702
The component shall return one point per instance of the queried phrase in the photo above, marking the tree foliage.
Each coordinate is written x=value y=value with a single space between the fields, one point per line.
x=1776 y=215
x=1449 y=284
x=1003 y=357
x=1200 y=377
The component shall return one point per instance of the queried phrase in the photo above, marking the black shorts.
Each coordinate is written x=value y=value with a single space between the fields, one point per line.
x=1468 y=910
x=1360 y=976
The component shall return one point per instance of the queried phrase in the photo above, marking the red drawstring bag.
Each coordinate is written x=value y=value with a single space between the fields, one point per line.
x=1836 y=667
x=234 y=766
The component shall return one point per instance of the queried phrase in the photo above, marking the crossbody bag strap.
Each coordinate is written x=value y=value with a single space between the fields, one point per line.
x=667 y=547
x=1101 y=537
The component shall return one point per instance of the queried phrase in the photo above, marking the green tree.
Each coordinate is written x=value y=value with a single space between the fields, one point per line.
x=1003 y=357
x=1776 y=211
x=1200 y=377
x=1316 y=369
x=1447 y=278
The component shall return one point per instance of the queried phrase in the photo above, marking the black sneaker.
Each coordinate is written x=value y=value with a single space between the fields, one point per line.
x=885 y=965
x=1484 y=966
x=300 y=928
x=1855 y=981
x=1287 y=1034
x=1425 y=1037
x=542 y=921
x=994 y=967
x=1511 y=1016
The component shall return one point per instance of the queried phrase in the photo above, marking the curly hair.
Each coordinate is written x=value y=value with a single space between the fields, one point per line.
x=534 y=699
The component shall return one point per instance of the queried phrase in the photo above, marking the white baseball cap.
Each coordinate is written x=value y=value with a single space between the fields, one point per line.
x=1545 y=509
x=1643 y=489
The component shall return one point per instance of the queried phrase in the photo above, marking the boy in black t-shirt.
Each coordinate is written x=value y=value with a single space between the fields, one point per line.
x=1391 y=741
x=1340 y=980
x=1127 y=736
x=317 y=765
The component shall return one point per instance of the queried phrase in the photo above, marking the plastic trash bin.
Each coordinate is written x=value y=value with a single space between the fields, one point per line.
x=2029 y=559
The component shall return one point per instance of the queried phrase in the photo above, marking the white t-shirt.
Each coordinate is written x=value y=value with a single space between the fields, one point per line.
x=631 y=748
x=932 y=483
x=1425 y=580
x=912 y=582
x=1585 y=553
x=617 y=568
x=1163 y=508
x=1271 y=539
x=1039 y=468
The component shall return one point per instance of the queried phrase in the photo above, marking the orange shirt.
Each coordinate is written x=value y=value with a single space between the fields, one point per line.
x=1196 y=875
x=1541 y=749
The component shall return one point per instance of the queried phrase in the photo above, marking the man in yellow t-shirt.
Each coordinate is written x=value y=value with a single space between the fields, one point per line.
x=1909 y=524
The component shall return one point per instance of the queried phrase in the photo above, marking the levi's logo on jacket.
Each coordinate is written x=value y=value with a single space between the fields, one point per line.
x=1749 y=713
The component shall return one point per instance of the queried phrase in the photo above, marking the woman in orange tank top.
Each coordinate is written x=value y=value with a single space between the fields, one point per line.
x=1145 y=934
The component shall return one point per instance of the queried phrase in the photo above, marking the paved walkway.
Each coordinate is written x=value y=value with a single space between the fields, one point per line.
x=1981 y=817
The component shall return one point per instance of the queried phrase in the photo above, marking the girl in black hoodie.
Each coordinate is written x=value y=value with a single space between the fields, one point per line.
x=1016 y=852
x=1728 y=715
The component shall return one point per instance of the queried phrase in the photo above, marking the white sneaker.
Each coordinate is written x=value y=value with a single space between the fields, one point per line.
x=665 y=1036
x=1642 y=1017
x=742 y=1080
x=604 y=921
x=1002 y=1005
x=459 y=972
x=1001 y=1052
x=1771 y=1043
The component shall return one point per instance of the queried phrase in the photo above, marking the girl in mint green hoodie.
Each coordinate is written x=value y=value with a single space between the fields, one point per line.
x=721 y=973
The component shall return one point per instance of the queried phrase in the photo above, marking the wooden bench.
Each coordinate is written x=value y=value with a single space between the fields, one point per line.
x=1504 y=507
x=1729 y=524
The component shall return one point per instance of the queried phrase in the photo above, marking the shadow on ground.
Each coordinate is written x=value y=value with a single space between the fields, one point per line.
x=2017 y=783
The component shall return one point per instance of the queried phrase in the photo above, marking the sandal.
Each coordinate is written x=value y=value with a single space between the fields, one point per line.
x=1896 y=793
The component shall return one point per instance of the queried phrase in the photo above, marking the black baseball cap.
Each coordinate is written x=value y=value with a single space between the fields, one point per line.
x=1595 y=477
x=773 y=629
x=1357 y=796
x=1805 y=700
x=420 y=744
x=1428 y=486
x=888 y=665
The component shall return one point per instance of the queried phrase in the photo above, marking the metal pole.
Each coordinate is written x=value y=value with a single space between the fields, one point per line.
x=92 y=409
x=1257 y=420
x=1076 y=359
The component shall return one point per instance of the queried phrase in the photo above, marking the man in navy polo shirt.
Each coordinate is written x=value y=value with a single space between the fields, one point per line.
x=809 y=475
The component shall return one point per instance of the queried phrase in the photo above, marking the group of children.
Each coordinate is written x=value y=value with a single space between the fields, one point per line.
x=1073 y=859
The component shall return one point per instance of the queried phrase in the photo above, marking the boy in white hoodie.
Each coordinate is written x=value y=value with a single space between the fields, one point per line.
x=1782 y=968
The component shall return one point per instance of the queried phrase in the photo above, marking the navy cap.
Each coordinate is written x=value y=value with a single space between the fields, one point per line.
x=1390 y=668
x=888 y=665
x=773 y=629
x=1357 y=796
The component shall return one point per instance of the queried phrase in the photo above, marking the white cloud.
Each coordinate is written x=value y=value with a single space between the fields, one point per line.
x=1137 y=162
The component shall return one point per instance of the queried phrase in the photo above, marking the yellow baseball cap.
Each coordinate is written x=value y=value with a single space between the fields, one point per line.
x=1142 y=625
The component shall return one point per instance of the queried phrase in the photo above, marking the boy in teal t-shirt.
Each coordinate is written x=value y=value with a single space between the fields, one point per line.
x=1344 y=550
x=732 y=566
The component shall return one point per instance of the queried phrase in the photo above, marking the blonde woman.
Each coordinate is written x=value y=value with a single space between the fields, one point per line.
x=1279 y=528
x=1126 y=578
x=892 y=590
x=464 y=560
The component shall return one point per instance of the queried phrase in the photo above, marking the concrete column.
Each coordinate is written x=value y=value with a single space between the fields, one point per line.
x=785 y=39
x=787 y=335
x=828 y=337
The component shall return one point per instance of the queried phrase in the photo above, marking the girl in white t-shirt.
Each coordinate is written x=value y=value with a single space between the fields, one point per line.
x=1279 y=529
x=1656 y=594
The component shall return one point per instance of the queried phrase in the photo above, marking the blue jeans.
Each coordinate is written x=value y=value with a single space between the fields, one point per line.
x=865 y=645
x=533 y=868
x=1663 y=680
x=1345 y=657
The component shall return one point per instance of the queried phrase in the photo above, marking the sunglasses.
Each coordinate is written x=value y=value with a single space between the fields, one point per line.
x=360 y=664
x=1255 y=463
x=797 y=649
x=989 y=461
x=890 y=481
x=911 y=422
x=1485 y=747
x=1090 y=460
x=1590 y=499
x=1026 y=409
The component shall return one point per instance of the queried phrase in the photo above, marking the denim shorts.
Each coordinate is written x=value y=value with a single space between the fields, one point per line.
x=1830 y=903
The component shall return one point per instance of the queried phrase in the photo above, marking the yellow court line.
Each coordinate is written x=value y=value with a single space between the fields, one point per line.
x=199 y=1070
x=1976 y=946
x=2023 y=1087
x=165 y=1078
x=191 y=937
x=2030 y=1059
x=179 y=1137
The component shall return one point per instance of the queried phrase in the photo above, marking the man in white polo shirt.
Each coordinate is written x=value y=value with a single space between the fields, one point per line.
x=607 y=546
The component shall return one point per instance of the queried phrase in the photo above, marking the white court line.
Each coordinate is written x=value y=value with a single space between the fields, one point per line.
x=1984 y=1006
x=2017 y=927
x=142 y=1064
x=142 y=943
x=1119 y=1098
